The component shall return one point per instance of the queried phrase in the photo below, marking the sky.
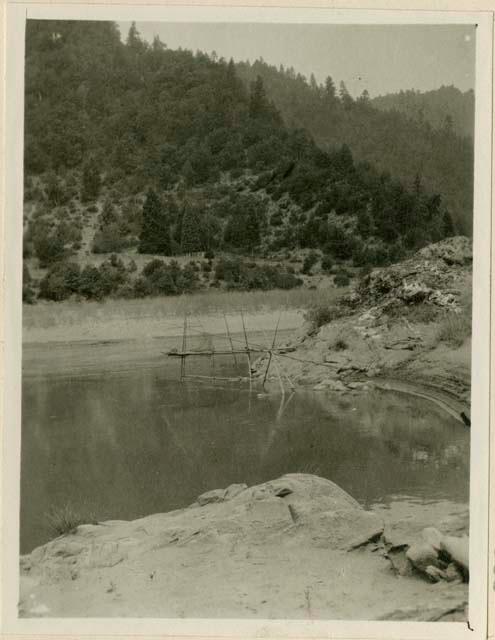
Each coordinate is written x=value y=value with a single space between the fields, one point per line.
x=379 y=58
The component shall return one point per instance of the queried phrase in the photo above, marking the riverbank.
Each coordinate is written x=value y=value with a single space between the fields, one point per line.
x=232 y=554
x=409 y=323
x=147 y=318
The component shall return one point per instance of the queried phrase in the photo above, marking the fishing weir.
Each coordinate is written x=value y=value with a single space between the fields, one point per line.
x=243 y=350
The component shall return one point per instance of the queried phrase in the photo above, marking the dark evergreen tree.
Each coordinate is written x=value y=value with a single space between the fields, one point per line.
x=345 y=96
x=258 y=103
x=155 y=232
x=108 y=215
x=91 y=181
x=191 y=237
x=329 y=89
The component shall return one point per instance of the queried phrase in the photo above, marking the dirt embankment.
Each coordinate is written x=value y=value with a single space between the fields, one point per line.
x=295 y=547
x=404 y=324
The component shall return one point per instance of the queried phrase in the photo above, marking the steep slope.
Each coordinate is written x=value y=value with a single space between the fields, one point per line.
x=391 y=140
x=166 y=153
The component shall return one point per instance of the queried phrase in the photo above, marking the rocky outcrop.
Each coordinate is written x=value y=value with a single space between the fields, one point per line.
x=435 y=276
x=388 y=327
x=288 y=548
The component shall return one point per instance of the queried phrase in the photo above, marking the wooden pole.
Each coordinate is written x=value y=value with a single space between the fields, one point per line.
x=230 y=339
x=184 y=345
x=276 y=330
x=267 y=369
x=247 y=350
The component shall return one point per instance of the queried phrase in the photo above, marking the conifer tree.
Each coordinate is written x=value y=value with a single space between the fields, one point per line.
x=345 y=96
x=191 y=239
x=155 y=232
x=330 y=89
x=258 y=103
x=91 y=181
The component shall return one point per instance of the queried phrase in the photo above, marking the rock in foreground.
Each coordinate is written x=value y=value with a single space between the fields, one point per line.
x=295 y=547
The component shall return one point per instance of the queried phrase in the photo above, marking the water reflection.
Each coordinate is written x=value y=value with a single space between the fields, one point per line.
x=129 y=443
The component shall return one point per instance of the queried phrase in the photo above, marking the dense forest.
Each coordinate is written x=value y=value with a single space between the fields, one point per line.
x=444 y=107
x=174 y=152
x=386 y=131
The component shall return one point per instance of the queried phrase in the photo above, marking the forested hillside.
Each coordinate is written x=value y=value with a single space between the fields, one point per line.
x=391 y=137
x=168 y=152
x=446 y=107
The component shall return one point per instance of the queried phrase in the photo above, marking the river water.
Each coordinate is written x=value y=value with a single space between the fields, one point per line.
x=109 y=430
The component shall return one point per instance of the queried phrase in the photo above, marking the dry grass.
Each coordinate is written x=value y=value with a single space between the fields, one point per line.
x=455 y=329
x=45 y=315
x=64 y=520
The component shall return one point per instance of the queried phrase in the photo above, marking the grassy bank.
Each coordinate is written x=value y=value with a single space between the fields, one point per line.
x=122 y=319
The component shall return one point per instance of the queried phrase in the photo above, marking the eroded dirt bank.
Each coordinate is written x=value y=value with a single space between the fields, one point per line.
x=295 y=547
x=407 y=323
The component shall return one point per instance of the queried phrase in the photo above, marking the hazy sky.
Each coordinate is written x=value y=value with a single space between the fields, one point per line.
x=380 y=58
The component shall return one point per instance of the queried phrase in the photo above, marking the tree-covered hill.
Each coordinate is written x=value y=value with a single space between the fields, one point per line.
x=443 y=107
x=130 y=146
x=392 y=137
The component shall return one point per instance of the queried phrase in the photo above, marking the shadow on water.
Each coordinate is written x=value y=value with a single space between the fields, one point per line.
x=128 y=443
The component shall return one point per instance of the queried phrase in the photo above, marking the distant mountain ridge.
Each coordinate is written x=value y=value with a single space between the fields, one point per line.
x=434 y=106
x=390 y=139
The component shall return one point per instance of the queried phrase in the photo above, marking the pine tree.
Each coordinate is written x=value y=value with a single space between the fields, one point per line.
x=134 y=41
x=258 y=103
x=191 y=238
x=345 y=96
x=91 y=181
x=364 y=98
x=330 y=89
x=155 y=231
x=107 y=216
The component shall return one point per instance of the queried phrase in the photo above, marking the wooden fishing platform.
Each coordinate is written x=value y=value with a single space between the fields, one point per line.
x=247 y=350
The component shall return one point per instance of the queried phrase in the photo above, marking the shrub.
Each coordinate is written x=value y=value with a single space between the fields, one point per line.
x=341 y=280
x=152 y=266
x=339 y=345
x=113 y=274
x=142 y=288
x=455 y=329
x=327 y=263
x=160 y=278
x=276 y=219
x=229 y=270
x=209 y=255
x=109 y=240
x=49 y=248
x=27 y=290
x=309 y=261
x=61 y=281
x=287 y=280
x=321 y=315
x=66 y=519
x=90 y=284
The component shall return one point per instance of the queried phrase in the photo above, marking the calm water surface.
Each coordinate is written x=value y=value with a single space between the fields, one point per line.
x=111 y=431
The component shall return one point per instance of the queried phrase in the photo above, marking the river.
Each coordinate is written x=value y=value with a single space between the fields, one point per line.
x=109 y=429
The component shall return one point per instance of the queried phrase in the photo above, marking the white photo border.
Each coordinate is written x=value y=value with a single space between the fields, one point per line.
x=17 y=13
